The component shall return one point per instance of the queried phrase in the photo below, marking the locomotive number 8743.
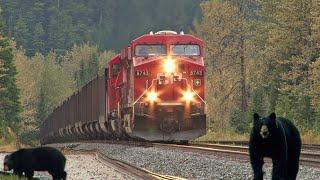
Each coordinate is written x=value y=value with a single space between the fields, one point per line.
x=153 y=89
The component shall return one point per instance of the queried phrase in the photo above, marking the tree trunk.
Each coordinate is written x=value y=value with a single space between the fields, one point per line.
x=243 y=84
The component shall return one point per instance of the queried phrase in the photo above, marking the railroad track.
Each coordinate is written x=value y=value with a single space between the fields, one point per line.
x=310 y=154
x=123 y=167
x=133 y=171
x=304 y=155
x=309 y=147
x=306 y=158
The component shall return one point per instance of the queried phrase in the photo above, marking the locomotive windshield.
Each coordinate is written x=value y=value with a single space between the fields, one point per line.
x=185 y=50
x=150 y=50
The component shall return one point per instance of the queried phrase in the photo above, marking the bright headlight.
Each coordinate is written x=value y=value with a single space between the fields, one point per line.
x=169 y=65
x=152 y=96
x=188 y=95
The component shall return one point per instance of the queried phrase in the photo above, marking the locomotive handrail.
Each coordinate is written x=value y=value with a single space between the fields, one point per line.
x=199 y=96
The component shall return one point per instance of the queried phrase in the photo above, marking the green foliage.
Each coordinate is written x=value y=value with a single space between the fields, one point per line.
x=38 y=41
x=46 y=81
x=12 y=177
x=223 y=28
x=285 y=49
x=55 y=86
x=237 y=123
x=280 y=45
x=9 y=93
x=83 y=62
x=87 y=71
x=261 y=56
x=315 y=91
x=43 y=108
x=30 y=138
x=42 y=26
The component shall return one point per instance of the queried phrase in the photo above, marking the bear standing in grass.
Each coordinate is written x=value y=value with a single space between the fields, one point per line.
x=278 y=139
x=36 y=159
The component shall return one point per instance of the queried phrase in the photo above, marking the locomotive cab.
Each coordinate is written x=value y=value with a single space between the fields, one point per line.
x=161 y=96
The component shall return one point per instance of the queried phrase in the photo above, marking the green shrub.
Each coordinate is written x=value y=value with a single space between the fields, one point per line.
x=30 y=138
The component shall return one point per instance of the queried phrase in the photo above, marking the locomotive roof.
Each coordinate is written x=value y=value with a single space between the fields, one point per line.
x=166 y=38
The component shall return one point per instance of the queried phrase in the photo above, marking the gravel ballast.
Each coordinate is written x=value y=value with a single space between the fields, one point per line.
x=186 y=164
x=82 y=167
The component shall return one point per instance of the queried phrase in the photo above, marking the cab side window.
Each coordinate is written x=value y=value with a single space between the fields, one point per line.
x=115 y=70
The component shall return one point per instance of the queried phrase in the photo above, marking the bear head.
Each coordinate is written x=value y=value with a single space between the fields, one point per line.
x=9 y=162
x=265 y=126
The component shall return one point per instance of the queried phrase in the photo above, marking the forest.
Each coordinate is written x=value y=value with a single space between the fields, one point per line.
x=261 y=55
x=46 y=25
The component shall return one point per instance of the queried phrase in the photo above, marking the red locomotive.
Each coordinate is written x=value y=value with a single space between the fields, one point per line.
x=154 y=90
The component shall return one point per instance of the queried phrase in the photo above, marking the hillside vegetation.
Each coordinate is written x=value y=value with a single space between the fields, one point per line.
x=261 y=56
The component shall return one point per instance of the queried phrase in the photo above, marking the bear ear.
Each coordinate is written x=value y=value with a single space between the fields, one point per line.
x=273 y=116
x=256 y=117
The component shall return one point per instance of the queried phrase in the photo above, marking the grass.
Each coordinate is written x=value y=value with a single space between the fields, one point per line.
x=8 y=148
x=9 y=142
x=310 y=137
x=223 y=136
x=11 y=177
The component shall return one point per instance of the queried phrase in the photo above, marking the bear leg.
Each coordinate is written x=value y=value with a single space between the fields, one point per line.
x=293 y=168
x=257 y=169
x=58 y=175
x=278 y=169
x=17 y=172
x=64 y=176
x=29 y=174
x=61 y=175
x=293 y=161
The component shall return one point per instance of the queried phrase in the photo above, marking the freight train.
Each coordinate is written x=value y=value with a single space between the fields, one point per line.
x=152 y=90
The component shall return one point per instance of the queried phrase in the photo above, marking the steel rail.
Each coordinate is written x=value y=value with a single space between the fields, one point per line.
x=124 y=167
x=133 y=171
x=307 y=155
x=308 y=159
x=315 y=147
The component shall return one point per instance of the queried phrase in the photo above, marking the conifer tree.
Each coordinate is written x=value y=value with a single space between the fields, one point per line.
x=9 y=92
x=38 y=39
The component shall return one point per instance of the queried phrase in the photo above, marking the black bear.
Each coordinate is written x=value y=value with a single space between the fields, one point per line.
x=36 y=159
x=278 y=139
